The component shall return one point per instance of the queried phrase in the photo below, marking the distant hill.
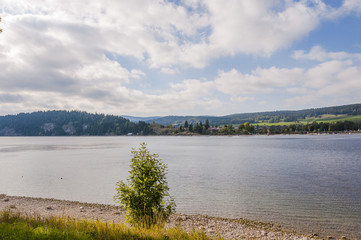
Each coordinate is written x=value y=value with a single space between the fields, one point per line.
x=74 y=123
x=264 y=117
x=139 y=119
x=77 y=123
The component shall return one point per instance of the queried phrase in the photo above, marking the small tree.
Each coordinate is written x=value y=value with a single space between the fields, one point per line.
x=145 y=197
x=207 y=124
x=186 y=124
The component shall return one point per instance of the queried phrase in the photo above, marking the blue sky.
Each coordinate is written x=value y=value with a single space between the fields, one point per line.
x=184 y=57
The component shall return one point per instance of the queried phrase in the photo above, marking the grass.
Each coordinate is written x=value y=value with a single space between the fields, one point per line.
x=14 y=226
x=326 y=118
x=344 y=118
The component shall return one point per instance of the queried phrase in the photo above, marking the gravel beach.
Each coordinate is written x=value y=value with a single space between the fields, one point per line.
x=227 y=228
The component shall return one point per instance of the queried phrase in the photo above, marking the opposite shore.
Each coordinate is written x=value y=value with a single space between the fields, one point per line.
x=212 y=226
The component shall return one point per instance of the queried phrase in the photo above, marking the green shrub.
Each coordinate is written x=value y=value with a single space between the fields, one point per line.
x=145 y=197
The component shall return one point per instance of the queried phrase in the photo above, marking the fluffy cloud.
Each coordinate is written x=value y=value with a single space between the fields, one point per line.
x=348 y=7
x=329 y=83
x=262 y=26
x=317 y=53
x=259 y=81
x=161 y=33
x=335 y=79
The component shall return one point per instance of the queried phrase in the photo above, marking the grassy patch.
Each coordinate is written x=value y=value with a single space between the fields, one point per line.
x=13 y=226
x=341 y=119
x=326 y=118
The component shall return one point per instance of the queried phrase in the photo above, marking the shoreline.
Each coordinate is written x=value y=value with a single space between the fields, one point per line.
x=353 y=132
x=213 y=226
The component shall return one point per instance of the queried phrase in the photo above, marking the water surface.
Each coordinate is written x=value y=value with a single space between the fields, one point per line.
x=307 y=183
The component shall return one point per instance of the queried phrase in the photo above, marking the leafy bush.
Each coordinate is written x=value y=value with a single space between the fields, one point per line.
x=145 y=197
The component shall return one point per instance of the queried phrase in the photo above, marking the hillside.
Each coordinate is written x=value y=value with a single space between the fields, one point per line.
x=140 y=119
x=68 y=123
x=335 y=113
x=76 y=123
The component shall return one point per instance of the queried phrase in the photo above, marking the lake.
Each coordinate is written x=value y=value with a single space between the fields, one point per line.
x=307 y=183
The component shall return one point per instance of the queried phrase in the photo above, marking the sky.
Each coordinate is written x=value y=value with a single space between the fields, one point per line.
x=179 y=57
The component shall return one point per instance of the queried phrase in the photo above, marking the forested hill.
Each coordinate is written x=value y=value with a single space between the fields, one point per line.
x=265 y=117
x=65 y=123
x=69 y=123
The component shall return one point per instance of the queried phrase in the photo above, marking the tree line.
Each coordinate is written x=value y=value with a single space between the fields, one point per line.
x=204 y=128
x=77 y=123
x=315 y=127
x=63 y=123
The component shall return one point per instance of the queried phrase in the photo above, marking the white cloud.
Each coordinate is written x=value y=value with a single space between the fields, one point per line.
x=260 y=27
x=137 y=74
x=312 y=98
x=163 y=34
x=297 y=90
x=347 y=7
x=193 y=88
x=325 y=73
x=242 y=99
x=259 y=81
x=329 y=81
x=170 y=71
x=318 y=53
x=105 y=71
x=352 y=5
x=147 y=30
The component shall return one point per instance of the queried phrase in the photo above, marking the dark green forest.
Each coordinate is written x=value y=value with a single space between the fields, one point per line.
x=69 y=123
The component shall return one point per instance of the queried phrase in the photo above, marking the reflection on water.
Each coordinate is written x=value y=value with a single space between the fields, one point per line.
x=303 y=182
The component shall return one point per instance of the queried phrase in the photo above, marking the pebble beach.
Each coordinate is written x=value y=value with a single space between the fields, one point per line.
x=226 y=228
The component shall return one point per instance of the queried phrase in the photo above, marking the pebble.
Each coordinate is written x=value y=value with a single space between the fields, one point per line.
x=182 y=218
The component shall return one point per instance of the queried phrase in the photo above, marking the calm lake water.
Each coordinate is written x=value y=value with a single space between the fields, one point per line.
x=306 y=183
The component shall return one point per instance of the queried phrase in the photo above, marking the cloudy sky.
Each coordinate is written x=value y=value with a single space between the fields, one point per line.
x=180 y=57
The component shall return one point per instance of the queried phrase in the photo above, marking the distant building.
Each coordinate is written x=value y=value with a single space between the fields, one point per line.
x=214 y=129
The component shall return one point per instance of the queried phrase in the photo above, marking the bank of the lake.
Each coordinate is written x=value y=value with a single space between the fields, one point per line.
x=213 y=227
